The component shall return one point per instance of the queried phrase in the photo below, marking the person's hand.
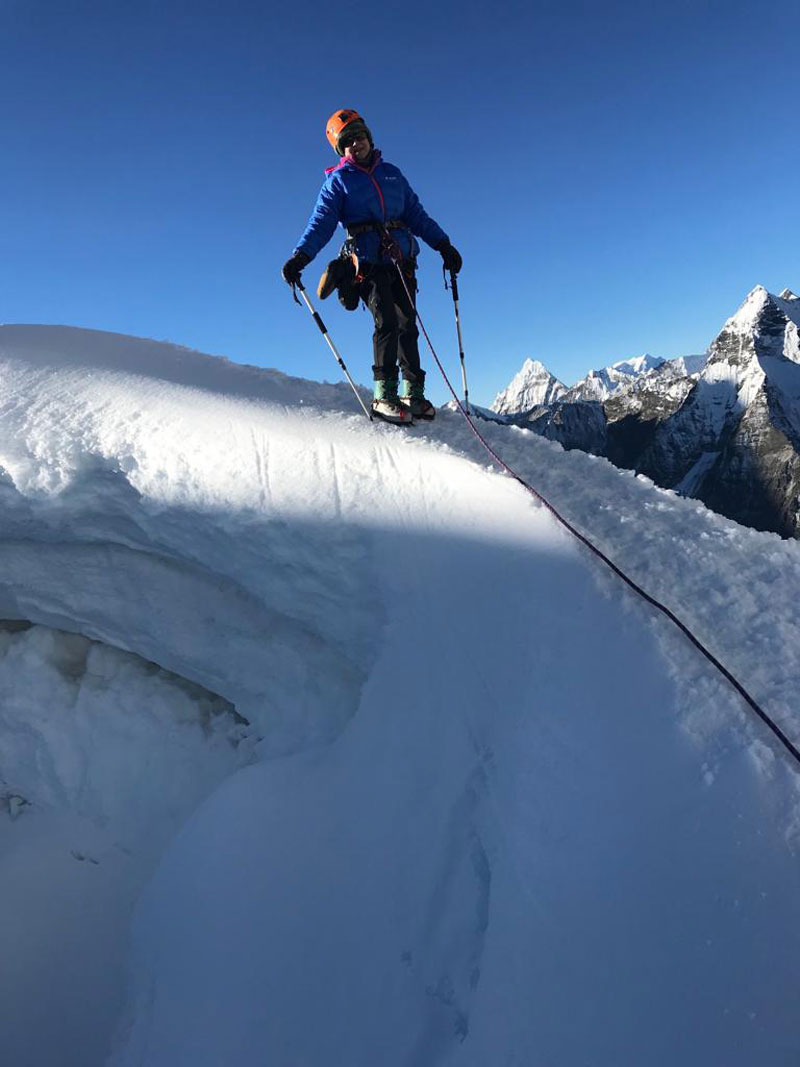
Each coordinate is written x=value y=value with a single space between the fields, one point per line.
x=293 y=267
x=450 y=257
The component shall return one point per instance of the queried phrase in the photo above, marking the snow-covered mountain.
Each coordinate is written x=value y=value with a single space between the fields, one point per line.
x=688 y=365
x=724 y=429
x=734 y=442
x=599 y=385
x=386 y=768
x=533 y=384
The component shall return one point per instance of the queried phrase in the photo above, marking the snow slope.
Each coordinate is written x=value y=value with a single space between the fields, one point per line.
x=485 y=808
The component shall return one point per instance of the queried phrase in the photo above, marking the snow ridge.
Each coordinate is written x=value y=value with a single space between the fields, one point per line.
x=431 y=857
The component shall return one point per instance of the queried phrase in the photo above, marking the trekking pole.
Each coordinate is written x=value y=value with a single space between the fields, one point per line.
x=454 y=289
x=315 y=315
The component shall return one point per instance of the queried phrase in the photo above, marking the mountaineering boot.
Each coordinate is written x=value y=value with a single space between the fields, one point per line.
x=386 y=405
x=340 y=275
x=413 y=399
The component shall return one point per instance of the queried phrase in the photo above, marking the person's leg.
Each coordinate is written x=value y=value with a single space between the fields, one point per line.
x=407 y=332
x=412 y=393
x=378 y=295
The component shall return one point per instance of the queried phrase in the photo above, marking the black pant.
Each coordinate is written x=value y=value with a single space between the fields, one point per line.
x=395 y=338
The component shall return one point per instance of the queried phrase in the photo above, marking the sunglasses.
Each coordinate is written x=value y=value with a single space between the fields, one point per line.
x=350 y=140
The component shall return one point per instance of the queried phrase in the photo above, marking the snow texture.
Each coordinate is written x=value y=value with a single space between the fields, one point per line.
x=388 y=767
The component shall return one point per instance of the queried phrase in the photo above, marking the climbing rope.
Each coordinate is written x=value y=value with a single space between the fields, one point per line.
x=698 y=644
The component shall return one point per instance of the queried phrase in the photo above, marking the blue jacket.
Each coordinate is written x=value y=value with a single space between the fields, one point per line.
x=353 y=194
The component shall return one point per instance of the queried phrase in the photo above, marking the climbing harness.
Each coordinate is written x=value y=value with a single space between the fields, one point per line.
x=355 y=229
x=737 y=685
x=323 y=330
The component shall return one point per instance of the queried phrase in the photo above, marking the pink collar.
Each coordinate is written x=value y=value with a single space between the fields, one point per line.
x=345 y=162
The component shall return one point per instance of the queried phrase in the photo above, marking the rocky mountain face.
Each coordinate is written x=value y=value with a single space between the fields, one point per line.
x=726 y=433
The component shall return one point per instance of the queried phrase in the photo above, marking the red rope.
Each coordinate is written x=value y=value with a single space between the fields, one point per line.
x=737 y=685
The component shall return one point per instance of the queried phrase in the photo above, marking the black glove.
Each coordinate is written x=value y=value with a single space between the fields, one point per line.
x=293 y=267
x=450 y=257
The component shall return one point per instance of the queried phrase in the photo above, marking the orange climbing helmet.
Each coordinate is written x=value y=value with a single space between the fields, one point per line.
x=344 y=119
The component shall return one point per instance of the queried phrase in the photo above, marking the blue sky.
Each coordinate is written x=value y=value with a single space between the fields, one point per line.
x=616 y=178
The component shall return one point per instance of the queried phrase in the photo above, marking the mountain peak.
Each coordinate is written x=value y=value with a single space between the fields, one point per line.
x=749 y=311
x=638 y=364
x=758 y=305
x=533 y=384
x=533 y=367
x=764 y=327
x=601 y=384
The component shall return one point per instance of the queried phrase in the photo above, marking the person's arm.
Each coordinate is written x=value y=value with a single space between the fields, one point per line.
x=421 y=224
x=324 y=220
